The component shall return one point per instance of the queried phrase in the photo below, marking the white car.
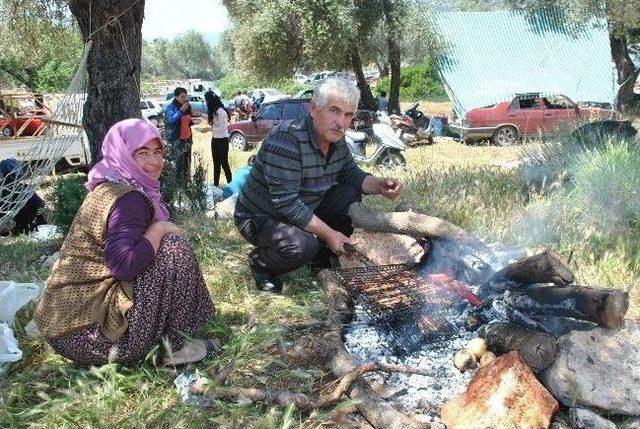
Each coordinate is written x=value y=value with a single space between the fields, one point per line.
x=270 y=94
x=151 y=110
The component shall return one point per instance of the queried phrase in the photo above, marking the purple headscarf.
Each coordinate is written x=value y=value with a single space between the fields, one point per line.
x=118 y=165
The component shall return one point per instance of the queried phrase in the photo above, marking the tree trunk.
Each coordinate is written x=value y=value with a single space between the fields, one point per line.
x=412 y=224
x=627 y=101
x=113 y=65
x=390 y=15
x=366 y=97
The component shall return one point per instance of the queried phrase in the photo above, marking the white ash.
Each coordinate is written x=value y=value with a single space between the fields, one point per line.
x=421 y=394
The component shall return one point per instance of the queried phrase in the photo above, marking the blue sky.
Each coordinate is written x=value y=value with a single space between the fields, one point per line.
x=168 y=18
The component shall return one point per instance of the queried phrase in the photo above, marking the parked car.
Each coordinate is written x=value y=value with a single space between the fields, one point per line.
x=527 y=114
x=243 y=133
x=24 y=123
x=151 y=110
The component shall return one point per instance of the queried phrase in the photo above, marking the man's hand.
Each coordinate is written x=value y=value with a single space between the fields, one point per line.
x=185 y=106
x=390 y=188
x=336 y=241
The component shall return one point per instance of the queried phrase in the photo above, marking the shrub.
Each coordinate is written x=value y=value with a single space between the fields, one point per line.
x=232 y=83
x=419 y=82
x=178 y=195
x=65 y=200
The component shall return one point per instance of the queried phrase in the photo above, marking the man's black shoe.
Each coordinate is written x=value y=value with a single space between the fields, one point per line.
x=265 y=281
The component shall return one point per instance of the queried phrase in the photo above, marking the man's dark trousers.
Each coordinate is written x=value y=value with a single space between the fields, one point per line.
x=282 y=247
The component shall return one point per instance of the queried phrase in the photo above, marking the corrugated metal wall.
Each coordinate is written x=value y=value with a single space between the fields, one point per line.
x=491 y=56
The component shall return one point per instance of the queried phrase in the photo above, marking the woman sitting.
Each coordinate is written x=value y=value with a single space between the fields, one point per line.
x=126 y=279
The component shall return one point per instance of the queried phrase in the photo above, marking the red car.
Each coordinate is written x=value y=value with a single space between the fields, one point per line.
x=526 y=115
x=26 y=123
x=253 y=130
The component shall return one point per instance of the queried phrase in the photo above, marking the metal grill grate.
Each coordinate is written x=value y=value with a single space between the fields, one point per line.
x=413 y=310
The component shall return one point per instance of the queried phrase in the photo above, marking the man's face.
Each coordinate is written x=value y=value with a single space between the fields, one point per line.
x=332 y=120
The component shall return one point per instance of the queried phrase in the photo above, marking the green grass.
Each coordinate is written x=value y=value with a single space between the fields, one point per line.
x=269 y=338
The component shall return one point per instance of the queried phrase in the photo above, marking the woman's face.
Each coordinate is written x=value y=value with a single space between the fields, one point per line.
x=150 y=157
x=182 y=98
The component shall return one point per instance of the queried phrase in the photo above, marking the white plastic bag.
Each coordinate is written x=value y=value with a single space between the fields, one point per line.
x=14 y=296
x=226 y=208
x=9 y=351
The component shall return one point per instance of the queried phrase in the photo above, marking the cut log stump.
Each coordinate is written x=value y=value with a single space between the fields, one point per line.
x=538 y=349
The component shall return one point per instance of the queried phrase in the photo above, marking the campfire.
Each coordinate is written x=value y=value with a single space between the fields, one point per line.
x=448 y=305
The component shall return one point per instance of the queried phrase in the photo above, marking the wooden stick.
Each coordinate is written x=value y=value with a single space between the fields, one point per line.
x=347 y=380
x=285 y=398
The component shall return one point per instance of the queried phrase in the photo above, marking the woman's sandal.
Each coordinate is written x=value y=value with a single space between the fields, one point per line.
x=194 y=351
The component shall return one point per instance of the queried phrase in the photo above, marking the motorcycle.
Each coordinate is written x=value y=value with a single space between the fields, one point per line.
x=413 y=126
x=388 y=148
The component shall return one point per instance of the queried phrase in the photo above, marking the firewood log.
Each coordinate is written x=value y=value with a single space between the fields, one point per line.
x=604 y=306
x=545 y=267
x=538 y=349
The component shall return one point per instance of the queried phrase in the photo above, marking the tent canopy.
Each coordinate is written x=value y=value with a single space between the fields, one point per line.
x=491 y=56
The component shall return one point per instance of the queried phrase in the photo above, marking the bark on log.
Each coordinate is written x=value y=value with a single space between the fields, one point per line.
x=538 y=349
x=376 y=411
x=545 y=267
x=413 y=224
x=604 y=306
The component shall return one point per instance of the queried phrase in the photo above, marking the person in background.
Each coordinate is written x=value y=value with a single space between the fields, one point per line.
x=258 y=101
x=31 y=215
x=383 y=101
x=218 y=119
x=126 y=279
x=178 y=117
x=238 y=101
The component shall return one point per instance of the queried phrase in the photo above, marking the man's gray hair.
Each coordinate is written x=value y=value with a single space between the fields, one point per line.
x=338 y=89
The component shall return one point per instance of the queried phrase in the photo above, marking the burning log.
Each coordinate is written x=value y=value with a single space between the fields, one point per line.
x=538 y=349
x=414 y=224
x=545 y=267
x=604 y=306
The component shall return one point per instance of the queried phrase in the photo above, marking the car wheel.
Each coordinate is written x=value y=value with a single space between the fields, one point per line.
x=238 y=142
x=392 y=161
x=7 y=131
x=505 y=136
x=154 y=121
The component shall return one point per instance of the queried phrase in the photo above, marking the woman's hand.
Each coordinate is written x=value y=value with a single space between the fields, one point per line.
x=157 y=230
